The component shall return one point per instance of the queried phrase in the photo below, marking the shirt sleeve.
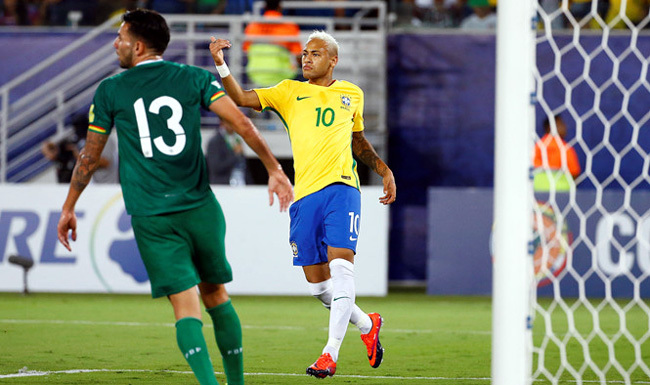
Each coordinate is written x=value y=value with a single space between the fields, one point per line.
x=211 y=89
x=100 y=115
x=275 y=97
x=572 y=162
x=357 y=117
x=537 y=159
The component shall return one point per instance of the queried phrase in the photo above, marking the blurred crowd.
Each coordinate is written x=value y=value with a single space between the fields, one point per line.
x=464 y=14
x=618 y=14
x=471 y=14
x=481 y=14
x=94 y=12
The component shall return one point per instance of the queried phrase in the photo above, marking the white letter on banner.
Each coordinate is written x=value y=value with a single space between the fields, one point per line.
x=604 y=235
x=643 y=246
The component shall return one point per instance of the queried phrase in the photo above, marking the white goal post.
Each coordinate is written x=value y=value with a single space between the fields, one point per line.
x=512 y=191
x=571 y=279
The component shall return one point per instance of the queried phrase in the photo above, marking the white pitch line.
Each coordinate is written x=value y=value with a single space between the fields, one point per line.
x=35 y=373
x=83 y=322
x=259 y=327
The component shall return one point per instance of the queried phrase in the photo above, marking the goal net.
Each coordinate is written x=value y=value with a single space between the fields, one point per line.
x=591 y=227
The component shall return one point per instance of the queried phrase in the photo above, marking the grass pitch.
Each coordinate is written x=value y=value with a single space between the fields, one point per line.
x=129 y=339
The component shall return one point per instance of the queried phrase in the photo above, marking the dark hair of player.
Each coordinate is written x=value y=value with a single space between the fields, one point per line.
x=149 y=26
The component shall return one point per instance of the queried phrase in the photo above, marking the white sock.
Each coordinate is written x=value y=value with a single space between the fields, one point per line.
x=323 y=292
x=343 y=296
x=361 y=320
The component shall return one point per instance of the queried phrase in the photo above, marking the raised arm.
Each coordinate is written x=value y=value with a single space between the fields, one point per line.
x=243 y=98
x=279 y=183
x=367 y=154
x=87 y=163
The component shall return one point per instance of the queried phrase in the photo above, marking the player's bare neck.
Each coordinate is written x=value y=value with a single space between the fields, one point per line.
x=143 y=58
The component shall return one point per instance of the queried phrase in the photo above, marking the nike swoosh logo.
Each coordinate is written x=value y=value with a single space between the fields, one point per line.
x=299 y=98
x=336 y=299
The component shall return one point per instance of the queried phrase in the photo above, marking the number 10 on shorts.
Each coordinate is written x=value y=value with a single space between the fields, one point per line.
x=354 y=225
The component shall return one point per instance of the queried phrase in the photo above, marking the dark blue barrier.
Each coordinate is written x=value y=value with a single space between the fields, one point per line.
x=458 y=241
x=605 y=247
x=441 y=120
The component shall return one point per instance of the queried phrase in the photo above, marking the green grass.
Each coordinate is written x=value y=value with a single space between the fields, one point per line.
x=619 y=325
x=424 y=337
x=428 y=340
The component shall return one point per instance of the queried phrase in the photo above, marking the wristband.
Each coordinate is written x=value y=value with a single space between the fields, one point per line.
x=223 y=70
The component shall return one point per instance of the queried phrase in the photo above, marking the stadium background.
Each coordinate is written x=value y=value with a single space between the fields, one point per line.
x=440 y=134
x=440 y=141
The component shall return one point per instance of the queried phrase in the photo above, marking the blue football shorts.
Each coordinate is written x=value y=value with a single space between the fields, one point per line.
x=328 y=217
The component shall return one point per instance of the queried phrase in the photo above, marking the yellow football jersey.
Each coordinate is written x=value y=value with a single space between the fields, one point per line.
x=320 y=121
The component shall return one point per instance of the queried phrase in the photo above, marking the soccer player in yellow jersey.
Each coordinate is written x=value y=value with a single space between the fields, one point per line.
x=324 y=120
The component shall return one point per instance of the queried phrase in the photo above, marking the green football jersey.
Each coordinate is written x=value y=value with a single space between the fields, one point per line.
x=156 y=109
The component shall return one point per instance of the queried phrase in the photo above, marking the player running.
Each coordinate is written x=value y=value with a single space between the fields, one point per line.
x=324 y=120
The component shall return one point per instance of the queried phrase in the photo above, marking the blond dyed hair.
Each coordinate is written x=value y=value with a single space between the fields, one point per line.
x=330 y=42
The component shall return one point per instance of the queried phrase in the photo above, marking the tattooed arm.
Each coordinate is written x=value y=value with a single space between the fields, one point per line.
x=367 y=154
x=87 y=162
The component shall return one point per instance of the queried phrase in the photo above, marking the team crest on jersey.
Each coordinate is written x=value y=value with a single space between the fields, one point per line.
x=346 y=101
x=294 y=249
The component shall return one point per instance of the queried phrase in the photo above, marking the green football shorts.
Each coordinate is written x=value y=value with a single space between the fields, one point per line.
x=181 y=249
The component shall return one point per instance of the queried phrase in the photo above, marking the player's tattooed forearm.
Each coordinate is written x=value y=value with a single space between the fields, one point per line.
x=370 y=158
x=88 y=161
x=83 y=171
x=364 y=151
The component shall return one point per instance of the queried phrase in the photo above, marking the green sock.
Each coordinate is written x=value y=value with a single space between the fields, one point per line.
x=227 y=331
x=189 y=335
